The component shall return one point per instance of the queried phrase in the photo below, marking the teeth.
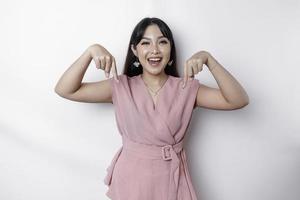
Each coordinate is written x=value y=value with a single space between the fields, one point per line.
x=154 y=59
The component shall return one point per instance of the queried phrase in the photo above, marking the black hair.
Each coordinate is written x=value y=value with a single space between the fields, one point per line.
x=136 y=36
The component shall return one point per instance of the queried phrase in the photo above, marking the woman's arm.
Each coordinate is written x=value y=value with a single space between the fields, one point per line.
x=71 y=79
x=231 y=89
x=70 y=85
x=230 y=94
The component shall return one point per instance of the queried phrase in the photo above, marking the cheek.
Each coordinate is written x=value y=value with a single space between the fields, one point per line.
x=143 y=52
x=166 y=53
x=166 y=50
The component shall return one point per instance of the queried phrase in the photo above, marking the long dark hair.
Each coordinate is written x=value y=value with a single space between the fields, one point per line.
x=136 y=36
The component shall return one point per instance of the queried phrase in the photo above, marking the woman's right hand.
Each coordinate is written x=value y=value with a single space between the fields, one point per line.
x=103 y=60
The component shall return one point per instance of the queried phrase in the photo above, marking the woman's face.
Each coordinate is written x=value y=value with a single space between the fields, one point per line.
x=153 y=51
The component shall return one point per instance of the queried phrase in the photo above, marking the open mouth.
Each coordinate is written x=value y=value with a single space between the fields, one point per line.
x=154 y=61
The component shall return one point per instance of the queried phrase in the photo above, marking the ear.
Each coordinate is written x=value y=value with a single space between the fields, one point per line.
x=133 y=50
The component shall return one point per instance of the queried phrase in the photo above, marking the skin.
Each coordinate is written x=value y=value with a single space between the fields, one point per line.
x=230 y=94
x=153 y=44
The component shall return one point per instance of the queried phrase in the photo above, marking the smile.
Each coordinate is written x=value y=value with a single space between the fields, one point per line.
x=154 y=61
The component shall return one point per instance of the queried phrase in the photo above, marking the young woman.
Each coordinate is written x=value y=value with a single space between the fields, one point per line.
x=153 y=108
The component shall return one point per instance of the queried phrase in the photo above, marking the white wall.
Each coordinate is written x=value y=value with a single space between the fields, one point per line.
x=52 y=148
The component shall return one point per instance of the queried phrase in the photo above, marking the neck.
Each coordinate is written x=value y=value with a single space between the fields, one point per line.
x=154 y=80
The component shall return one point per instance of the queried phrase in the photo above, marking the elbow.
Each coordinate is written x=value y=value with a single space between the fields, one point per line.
x=241 y=104
x=56 y=90
x=59 y=92
x=244 y=104
x=62 y=93
x=245 y=101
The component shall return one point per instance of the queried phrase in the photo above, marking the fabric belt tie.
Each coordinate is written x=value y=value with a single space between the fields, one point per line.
x=167 y=153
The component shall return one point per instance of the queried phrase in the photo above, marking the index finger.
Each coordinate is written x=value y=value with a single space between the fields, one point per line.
x=185 y=76
x=114 y=70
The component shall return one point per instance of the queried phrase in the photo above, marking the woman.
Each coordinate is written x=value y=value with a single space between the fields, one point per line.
x=153 y=108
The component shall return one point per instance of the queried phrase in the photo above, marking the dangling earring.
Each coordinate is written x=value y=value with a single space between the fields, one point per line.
x=136 y=64
x=170 y=63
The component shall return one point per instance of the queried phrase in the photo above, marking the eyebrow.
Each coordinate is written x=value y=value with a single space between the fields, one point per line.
x=150 y=39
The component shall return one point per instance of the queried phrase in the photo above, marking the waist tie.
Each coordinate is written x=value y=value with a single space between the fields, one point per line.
x=167 y=153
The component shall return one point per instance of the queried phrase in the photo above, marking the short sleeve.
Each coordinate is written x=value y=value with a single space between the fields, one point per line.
x=194 y=91
x=112 y=88
x=115 y=85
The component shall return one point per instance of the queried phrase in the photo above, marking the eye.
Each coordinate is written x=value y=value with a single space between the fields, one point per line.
x=144 y=43
x=164 y=41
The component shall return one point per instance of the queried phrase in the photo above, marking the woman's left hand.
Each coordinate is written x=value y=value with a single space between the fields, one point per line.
x=194 y=65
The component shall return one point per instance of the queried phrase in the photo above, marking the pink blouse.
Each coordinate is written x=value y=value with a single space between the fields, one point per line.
x=151 y=164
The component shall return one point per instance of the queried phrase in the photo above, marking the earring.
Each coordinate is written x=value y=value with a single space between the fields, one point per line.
x=136 y=64
x=170 y=63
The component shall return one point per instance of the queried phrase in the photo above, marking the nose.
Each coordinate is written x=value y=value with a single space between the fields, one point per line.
x=155 y=49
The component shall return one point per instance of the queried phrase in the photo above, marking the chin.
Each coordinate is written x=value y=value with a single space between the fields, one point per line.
x=154 y=70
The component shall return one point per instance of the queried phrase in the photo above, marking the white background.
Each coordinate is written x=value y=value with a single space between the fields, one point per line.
x=53 y=148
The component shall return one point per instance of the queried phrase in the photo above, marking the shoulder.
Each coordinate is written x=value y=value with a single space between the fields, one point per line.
x=121 y=77
x=179 y=80
x=124 y=77
x=124 y=81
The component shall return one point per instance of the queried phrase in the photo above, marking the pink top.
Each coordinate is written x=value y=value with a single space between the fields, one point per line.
x=151 y=164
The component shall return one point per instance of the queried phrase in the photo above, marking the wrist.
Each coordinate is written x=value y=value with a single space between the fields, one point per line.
x=87 y=53
x=204 y=55
x=211 y=63
x=211 y=68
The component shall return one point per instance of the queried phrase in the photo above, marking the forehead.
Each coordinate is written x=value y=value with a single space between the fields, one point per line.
x=152 y=31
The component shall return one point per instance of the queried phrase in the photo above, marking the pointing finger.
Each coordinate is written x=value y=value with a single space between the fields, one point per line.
x=200 y=65
x=102 y=62
x=195 y=71
x=107 y=66
x=114 y=70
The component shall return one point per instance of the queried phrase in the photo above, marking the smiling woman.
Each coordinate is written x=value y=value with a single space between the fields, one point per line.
x=153 y=43
x=153 y=108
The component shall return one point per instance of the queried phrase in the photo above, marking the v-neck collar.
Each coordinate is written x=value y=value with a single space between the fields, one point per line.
x=159 y=95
